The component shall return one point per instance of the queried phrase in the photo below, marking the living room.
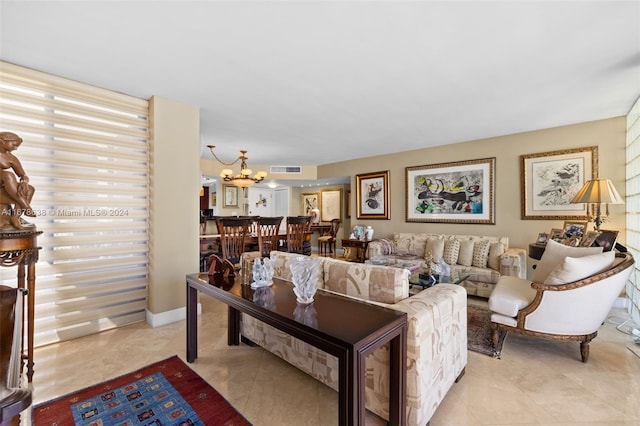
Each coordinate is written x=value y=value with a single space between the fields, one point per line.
x=533 y=383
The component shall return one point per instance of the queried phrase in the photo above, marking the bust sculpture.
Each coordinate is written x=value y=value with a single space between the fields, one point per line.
x=15 y=191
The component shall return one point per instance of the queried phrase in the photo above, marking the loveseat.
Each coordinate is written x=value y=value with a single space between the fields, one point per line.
x=436 y=334
x=482 y=258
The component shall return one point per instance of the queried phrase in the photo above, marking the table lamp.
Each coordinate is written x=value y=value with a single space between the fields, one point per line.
x=594 y=193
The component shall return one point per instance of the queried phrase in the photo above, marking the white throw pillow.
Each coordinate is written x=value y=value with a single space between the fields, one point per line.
x=554 y=253
x=495 y=251
x=435 y=246
x=576 y=268
x=465 y=256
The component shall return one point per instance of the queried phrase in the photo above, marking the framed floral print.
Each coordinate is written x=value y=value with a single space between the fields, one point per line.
x=550 y=180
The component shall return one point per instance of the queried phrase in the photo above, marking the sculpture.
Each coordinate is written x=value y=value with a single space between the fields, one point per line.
x=15 y=195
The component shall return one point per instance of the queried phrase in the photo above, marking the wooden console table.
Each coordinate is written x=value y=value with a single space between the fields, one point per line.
x=333 y=331
x=359 y=245
x=20 y=248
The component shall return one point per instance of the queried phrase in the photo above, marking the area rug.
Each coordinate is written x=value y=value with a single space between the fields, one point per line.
x=167 y=392
x=479 y=332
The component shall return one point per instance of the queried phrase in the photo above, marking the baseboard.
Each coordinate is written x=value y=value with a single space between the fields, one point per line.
x=621 y=303
x=167 y=317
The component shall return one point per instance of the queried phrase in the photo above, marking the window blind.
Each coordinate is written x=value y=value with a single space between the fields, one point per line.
x=86 y=151
x=633 y=207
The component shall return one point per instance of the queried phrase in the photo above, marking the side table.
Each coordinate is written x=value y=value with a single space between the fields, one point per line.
x=359 y=245
x=19 y=248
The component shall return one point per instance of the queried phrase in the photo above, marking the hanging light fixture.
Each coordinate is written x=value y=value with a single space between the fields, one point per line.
x=244 y=178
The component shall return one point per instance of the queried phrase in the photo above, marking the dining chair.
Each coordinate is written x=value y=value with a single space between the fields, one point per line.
x=233 y=236
x=297 y=228
x=327 y=242
x=268 y=234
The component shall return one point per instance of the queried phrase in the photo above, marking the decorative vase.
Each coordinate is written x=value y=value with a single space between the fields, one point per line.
x=315 y=215
x=262 y=272
x=369 y=233
x=304 y=274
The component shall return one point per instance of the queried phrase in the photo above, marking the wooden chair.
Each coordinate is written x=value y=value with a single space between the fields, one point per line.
x=327 y=242
x=268 y=234
x=233 y=235
x=297 y=227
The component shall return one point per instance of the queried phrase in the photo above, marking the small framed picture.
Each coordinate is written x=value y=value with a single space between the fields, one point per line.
x=589 y=238
x=572 y=241
x=542 y=238
x=556 y=234
x=574 y=229
x=606 y=240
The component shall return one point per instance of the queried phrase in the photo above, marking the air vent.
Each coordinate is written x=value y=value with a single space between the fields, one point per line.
x=286 y=170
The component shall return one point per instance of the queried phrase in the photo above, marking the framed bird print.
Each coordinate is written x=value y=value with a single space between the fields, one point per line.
x=372 y=195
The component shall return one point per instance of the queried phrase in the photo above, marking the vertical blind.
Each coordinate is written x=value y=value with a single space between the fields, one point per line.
x=633 y=207
x=86 y=152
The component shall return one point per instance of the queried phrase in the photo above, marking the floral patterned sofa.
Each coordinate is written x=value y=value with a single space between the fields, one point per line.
x=436 y=336
x=482 y=258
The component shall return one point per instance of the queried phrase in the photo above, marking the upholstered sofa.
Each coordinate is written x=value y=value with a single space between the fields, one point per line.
x=482 y=258
x=436 y=336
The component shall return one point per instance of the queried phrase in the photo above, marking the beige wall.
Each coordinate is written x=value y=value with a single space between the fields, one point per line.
x=608 y=135
x=174 y=198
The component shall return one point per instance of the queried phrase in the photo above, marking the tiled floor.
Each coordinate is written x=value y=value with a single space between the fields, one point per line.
x=534 y=383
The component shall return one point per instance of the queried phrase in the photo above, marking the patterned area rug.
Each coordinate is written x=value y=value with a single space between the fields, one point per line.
x=479 y=332
x=165 y=393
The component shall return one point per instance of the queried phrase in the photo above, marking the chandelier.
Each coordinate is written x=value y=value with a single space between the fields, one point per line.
x=243 y=179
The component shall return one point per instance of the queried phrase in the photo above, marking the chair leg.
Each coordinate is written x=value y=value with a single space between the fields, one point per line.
x=584 y=350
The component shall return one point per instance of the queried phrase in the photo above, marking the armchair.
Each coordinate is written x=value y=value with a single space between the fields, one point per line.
x=569 y=304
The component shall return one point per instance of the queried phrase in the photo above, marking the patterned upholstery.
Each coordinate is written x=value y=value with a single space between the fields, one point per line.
x=436 y=336
x=500 y=259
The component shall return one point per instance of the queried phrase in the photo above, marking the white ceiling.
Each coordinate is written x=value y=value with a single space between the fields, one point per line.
x=307 y=82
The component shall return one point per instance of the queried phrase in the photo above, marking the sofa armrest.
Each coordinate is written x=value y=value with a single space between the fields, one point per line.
x=379 y=247
x=513 y=262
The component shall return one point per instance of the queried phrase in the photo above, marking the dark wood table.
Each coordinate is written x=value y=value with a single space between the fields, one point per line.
x=359 y=245
x=346 y=328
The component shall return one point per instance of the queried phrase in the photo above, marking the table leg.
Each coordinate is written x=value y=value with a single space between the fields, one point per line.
x=31 y=297
x=398 y=372
x=233 y=327
x=192 y=323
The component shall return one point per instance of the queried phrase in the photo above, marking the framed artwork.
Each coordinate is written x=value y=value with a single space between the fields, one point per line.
x=230 y=196
x=347 y=204
x=574 y=229
x=310 y=201
x=556 y=234
x=550 y=180
x=214 y=199
x=459 y=192
x=589 y=238
x=330 y=204
x=606 y=240
x=542 y=238
x=372 y=195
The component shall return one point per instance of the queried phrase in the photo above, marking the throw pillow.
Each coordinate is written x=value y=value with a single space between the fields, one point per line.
x=465 y=257
x=435 y=246
x=451 y=251
x=480 y=253
x=576 y=268
x=495 y=251
x=554 y=253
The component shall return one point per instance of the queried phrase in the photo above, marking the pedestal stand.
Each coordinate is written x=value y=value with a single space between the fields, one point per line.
x=19 y=248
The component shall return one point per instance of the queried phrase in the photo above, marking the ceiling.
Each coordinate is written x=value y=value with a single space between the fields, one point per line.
x=310 y=83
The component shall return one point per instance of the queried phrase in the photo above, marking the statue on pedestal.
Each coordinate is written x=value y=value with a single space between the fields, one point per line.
x=15 y=191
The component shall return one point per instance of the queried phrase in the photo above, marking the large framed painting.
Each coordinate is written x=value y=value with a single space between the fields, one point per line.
x=372 y=195
x=459 y=192
x=230 y=196
x=550 y=180
x=330 y=204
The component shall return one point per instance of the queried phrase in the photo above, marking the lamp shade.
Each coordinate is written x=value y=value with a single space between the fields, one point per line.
x=598 y=191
